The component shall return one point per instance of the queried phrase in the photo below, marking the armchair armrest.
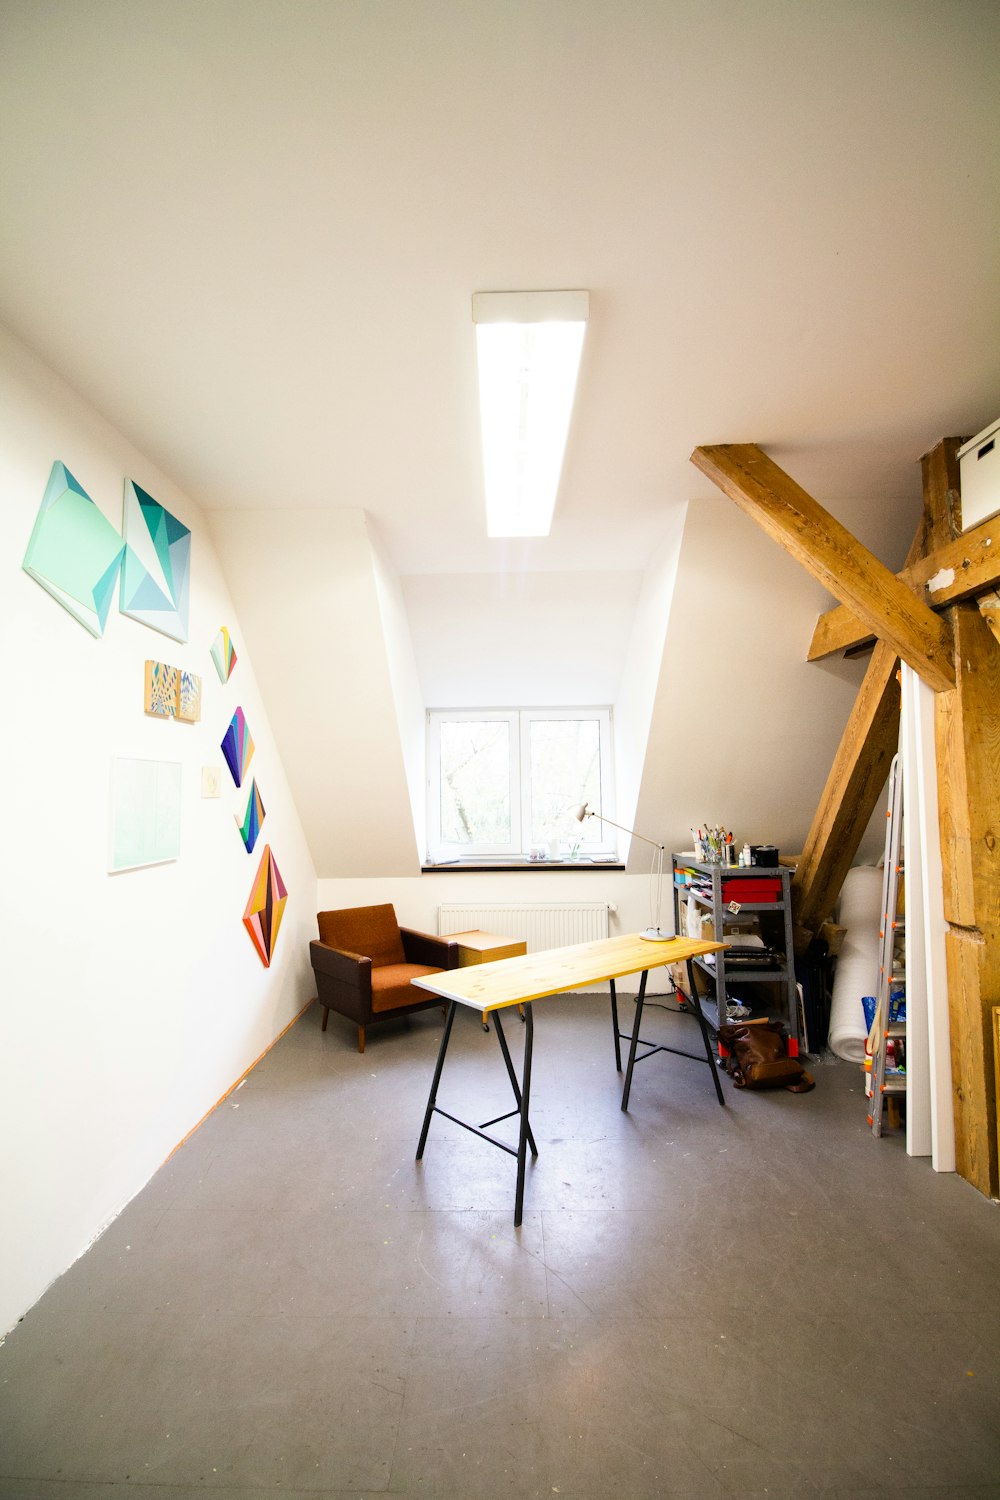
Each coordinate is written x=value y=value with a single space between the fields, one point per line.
x=350 y=968
x=423 y=948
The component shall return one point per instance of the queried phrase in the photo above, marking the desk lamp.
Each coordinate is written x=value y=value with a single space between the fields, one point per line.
x=653 y=933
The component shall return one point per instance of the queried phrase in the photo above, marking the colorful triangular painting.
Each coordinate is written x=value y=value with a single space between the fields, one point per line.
x=266 y=907
x=223 y=655
x=252 y=818
x=74 y=551
x=156 y=574
x=237 y=746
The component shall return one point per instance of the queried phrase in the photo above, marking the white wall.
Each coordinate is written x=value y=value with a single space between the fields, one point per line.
x=744 y=729
x=520 y=640
x=305 y=583
x=130 y=1002
x=640 y=676
x=405 y=680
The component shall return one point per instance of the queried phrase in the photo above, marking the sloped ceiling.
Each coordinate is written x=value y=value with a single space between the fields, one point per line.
x=249 y=234
x=308 y=603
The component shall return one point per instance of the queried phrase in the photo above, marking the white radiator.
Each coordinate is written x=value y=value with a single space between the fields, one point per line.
x=551 y=924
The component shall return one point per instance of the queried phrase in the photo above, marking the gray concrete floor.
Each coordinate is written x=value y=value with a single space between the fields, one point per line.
x=701 y=1302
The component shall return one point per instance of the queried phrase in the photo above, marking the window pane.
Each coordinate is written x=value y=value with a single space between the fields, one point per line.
x=475 y=782
x=565 y=769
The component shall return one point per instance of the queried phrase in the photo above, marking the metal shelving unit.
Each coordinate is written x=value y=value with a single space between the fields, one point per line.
x=776 y=924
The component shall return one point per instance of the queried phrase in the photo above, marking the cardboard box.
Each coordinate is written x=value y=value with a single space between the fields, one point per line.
x=679 y=978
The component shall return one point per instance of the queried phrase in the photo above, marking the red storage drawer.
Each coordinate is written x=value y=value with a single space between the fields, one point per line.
x=752 y=888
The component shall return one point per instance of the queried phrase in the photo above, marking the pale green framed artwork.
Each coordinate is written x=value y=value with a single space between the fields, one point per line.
x=145 y=812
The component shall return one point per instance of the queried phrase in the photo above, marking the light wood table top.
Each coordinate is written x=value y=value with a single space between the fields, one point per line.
x=516 y=981
x=478 y=947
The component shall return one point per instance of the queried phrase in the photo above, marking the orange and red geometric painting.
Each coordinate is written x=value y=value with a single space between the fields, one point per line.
x=266 y=907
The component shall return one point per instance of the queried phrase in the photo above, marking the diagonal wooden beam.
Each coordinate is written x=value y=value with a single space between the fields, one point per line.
x=860 y=766
x=833 y=556
x=960 y=569
x=849 y=798
x=989 y=608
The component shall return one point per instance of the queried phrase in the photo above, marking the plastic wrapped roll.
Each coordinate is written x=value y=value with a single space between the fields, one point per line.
x=857 y=962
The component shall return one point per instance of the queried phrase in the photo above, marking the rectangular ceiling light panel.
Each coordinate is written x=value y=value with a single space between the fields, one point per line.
x=528 y=346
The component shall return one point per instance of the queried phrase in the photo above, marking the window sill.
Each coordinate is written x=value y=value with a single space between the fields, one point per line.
x=481 y=866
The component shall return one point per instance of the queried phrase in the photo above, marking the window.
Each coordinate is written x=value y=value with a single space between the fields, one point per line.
x=501 y=780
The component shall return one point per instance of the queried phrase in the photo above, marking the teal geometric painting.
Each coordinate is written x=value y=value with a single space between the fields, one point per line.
x=156 y=573
x=252 y=818
x=74 y=551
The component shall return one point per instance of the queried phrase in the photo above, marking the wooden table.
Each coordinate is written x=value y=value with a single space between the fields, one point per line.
x=493 y=987
x=478 y=947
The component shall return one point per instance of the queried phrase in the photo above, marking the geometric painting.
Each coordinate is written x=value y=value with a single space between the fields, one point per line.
x=223 y=655
x=172 y=693
x=238 y=747
x=156 y=573
x=188 y=697
x=252 y=818
x=266 y=907
x=161 y=689
x=74 y=551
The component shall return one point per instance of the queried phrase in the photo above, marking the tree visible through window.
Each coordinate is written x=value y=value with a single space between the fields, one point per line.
x=564 y=760
x=502 y=780
x=475 y=782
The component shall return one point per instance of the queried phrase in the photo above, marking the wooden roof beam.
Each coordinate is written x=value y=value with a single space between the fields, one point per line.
x=850 y=796
x=883 y=602
x=960 y=569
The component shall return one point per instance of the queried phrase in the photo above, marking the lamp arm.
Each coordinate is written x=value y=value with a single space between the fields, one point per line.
x=641 y=836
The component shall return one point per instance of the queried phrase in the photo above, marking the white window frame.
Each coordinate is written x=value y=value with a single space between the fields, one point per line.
x=435 y=717
x=595 y=837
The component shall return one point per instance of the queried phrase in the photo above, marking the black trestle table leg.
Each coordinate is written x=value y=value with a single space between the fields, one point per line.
x=522 y=1145
x=639 y=999
x=501 y=1038
x=700 y=1017
x=432 y=1096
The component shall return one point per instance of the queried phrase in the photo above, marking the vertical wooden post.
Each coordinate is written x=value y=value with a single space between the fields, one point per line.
x=968 y=749
x=967 y=729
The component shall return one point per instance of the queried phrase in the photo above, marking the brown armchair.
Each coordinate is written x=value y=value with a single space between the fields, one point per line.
x=364 y=962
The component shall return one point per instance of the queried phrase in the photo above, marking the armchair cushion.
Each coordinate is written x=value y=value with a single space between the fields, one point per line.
x=391 y=986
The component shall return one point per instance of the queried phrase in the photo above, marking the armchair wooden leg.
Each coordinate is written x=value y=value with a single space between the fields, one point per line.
x=361 y=1038
x=326 y=1017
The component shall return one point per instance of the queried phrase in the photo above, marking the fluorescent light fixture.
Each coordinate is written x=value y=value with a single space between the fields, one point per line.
x=528 y=345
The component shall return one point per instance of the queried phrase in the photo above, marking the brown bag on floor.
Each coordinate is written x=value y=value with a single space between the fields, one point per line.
x=758 y=1058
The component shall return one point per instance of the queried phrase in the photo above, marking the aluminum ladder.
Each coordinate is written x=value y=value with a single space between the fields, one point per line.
x=882 y=1081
